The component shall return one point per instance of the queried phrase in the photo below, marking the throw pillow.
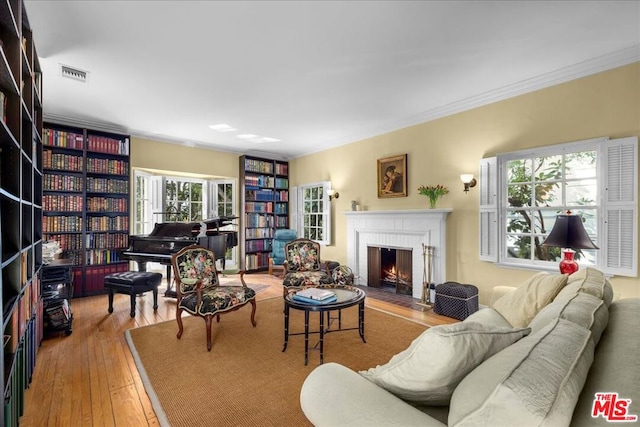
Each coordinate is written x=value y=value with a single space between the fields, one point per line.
x=429 y=370
x=534 y=382
x=521 y=306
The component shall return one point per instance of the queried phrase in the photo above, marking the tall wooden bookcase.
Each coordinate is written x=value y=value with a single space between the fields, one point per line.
x=20 y=205
x=86 y=201
x=265 y=200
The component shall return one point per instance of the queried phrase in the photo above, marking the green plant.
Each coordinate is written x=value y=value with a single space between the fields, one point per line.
x=433 y=192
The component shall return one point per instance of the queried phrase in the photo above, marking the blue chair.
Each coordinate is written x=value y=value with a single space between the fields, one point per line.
x=277 y=256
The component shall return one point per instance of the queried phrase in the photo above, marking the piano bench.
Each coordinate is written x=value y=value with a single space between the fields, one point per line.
x=132 y=283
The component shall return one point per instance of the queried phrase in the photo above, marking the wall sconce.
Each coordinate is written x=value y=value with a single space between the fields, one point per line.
x=333 y=194
x=468 y=180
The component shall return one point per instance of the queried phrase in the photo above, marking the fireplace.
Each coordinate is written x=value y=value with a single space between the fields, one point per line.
x=390 y=268
x=404 y=229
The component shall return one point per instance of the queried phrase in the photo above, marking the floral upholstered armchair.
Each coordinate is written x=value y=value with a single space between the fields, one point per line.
x=302 y=265
x=199 y=291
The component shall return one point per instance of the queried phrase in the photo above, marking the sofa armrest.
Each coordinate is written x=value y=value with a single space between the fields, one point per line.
x=334 y=395
x=499 y=291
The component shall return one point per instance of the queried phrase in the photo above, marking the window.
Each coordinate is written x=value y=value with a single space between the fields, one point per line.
x=143 y=218
x=523 y=192
x=183 y=200
x=165 y=198
x=312 y=217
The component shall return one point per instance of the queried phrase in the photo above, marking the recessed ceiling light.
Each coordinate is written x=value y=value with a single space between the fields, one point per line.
x=257 y=139
x=263 y=139
x=222 y=128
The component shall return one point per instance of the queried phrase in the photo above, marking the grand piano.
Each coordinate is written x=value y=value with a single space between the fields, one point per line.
x=167 y=238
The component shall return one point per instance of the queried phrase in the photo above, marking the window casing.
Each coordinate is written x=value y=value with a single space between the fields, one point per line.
x=312 y=208
x=165 y=198
x=522 y=193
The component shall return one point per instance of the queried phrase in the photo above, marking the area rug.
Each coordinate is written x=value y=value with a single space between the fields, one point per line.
x=246 y=379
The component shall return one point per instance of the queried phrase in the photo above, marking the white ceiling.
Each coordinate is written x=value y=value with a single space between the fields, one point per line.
x=311 y=74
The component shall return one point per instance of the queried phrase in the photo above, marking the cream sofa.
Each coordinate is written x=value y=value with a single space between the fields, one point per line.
x=578 y=343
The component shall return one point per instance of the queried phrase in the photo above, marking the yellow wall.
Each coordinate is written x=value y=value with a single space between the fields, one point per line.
x=163 y=156
x=605 y=104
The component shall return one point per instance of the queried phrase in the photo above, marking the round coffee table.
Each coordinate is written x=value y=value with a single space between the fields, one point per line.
x=347 y=296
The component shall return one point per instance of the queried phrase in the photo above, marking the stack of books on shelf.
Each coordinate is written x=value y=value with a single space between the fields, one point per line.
x=315 y=296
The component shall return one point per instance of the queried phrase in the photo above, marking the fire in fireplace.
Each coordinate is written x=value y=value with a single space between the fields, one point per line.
x=390 y=268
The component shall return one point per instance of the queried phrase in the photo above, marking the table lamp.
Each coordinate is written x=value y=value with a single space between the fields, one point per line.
x=569 y=234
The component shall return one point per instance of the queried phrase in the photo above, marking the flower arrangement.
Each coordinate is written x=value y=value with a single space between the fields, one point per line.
x=433 y=192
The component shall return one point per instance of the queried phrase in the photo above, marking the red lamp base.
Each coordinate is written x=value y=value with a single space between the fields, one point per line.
x=568 y=264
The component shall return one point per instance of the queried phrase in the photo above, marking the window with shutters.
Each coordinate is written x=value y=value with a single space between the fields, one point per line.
x=311 y=211
x=523 y=192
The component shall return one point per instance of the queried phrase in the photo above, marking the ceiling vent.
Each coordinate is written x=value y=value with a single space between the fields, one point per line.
x=74 y=73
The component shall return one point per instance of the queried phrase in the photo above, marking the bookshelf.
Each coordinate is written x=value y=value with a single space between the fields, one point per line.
x=265 y=200
x=86 y=201
x=20 y=206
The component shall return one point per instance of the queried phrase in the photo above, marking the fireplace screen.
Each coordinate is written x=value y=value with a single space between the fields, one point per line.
x=390 y=269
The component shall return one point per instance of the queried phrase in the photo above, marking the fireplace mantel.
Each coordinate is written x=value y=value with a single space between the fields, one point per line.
x=398 y=228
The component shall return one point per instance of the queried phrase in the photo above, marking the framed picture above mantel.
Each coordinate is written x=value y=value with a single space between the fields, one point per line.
x=392 y=176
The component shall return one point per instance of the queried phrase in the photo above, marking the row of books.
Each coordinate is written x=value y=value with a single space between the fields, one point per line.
x=107 y=240
x=110 y=166
x=264 y=207
x=282 y=222
x=107 y=204
x=315 y=296
x=282 y=183
x=259 y=181
x=58 y=202
x=282 y=169
x=282 y=208
x=60 y=223
x=104 y=144
x=282 y=196
x=60 y=161
x=259 y=195
x=256 y=261
x=107 y=223
x=67 y=242
x=256 y=220
x=102 y=256
x=107 y=185
x=258 y=233
x=258 y=245
x=57 y=182
x=260 y=166
x=60 y=138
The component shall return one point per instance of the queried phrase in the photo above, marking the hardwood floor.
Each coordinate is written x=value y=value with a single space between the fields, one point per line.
x=89 y=378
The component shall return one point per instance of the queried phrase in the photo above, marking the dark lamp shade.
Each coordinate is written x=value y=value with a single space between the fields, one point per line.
x=568 y=232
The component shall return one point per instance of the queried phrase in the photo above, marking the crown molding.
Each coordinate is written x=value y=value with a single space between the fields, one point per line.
x=583 y=69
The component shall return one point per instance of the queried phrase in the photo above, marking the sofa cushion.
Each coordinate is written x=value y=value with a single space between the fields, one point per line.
x=535 y=381
x=428 y=371
x=583 y=309
x=590 y=281
x=616 y=367
x=490 y=317
x=520 y=306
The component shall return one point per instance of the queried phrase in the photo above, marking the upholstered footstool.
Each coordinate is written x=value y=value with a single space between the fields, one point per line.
x=456 y=300
x=132 y=283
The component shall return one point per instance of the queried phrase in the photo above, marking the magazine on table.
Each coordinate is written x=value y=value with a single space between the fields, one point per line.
x=315 y=296
x=299 y=298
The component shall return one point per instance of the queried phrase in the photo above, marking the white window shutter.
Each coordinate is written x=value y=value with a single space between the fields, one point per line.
x=293 y=210
x=488 y=238
x=620 y=206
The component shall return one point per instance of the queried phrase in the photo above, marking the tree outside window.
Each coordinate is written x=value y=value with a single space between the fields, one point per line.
x=539 y=189
x=183 y=200
x=313 y=213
